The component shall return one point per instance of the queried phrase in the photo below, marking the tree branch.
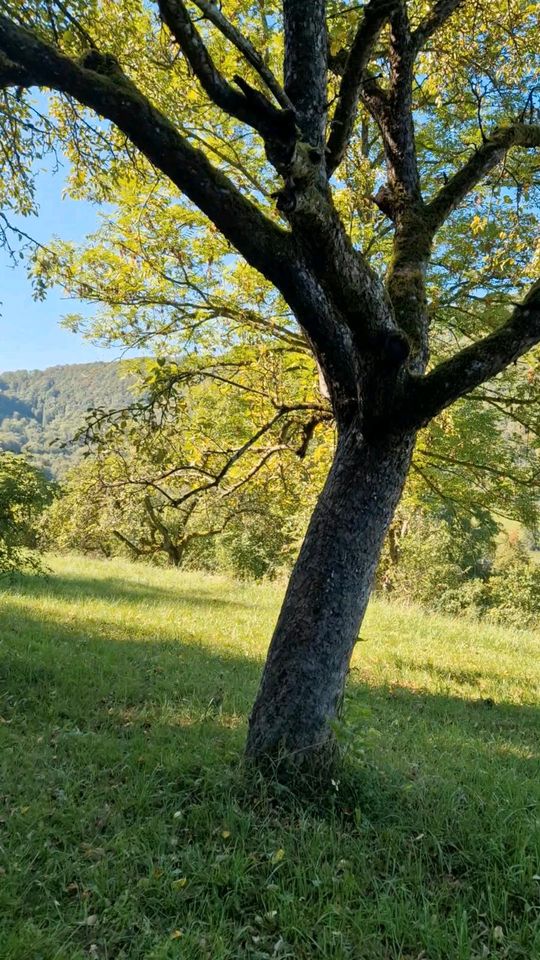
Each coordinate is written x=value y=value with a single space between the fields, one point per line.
x=138 y=551
x=392 y=110
x=375 y=15
x=441 y=12
x=213 y=13
x=484 y=159
x=12 y=74
x=99 y=83
x=83 y=33
x=247 y=105
x=306 y=56
x=424 y=397
x=203 y=488
x=400 y=145
x=254 y=470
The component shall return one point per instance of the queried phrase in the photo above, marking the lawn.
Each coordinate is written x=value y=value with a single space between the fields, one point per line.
x=127 y=827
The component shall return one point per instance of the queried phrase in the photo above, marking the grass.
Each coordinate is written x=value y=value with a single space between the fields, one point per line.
x=128 y=831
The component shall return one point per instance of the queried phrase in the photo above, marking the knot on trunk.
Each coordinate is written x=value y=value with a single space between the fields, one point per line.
x=394 y=348
x=302 y=173
x=384 y=200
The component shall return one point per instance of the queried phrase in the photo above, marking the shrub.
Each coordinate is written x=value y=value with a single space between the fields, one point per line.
x=514 y=586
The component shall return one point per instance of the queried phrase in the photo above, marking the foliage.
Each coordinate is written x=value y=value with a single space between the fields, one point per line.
x=438 y=560
x=514 y=586
x=123 y=718
x=42 y=410
x=160 y=276
x=24 y=494
x=215 y=452
x=456 y=565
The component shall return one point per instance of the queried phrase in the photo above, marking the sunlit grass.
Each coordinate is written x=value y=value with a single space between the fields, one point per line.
x=128 y=831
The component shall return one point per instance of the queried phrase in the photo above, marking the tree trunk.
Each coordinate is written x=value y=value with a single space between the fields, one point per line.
x=304 y=676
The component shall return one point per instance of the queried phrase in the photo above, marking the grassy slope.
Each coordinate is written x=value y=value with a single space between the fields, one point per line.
x=126 y=830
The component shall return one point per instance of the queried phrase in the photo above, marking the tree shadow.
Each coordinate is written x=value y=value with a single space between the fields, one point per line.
x=113 y=587
x=121 y=756
x=128 y=683
x=460 y=675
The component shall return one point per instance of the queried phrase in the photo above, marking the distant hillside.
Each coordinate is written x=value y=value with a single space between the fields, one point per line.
x=39 y=408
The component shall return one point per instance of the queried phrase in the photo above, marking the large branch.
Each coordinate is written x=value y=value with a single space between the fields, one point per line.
x=12 y=74
x=434 y=20
x=484 y=159
x=375 y=15
x=394 y=113
x=247 y=105
x=427 y=396
x=392 y=110
x=99 y=84
x=305 y=67
x=400 y=143
x=213 y=13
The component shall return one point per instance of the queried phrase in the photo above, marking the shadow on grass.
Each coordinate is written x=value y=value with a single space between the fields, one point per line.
x=465 y=676
x=185 y=706
x=112 y=587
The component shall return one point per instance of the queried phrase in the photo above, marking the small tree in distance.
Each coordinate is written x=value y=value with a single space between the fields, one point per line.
x=443 y=95
x=24 y=494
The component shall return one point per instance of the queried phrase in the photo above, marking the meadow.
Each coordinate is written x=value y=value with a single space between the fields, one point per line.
x=128 y=828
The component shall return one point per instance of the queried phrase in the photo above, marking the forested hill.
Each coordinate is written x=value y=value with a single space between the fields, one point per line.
x=41 y=409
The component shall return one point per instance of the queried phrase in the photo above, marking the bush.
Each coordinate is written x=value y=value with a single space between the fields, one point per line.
x=455 y=567
x=24 y=494
x=439 y=561
x=514 y=586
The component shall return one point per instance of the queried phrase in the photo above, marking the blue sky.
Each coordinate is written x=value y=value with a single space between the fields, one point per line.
x=30 y=334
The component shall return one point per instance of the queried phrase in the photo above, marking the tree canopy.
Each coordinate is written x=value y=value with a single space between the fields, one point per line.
x=166 y=280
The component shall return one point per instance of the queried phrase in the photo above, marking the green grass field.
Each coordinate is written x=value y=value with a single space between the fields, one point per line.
x=127 y=828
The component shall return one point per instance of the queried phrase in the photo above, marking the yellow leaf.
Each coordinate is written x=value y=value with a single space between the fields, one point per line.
x=176 y=934
x=179 y=884
x=225 y=834
x=278 y=855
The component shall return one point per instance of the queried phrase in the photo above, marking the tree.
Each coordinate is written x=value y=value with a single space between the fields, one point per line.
x=447 y=101
x=209 y=448
x=24 y=494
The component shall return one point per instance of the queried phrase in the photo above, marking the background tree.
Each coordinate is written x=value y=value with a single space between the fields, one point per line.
x=24 y=494
x=217 y=445
x=447 y=103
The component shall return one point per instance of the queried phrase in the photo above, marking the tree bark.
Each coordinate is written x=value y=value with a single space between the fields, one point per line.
x=304 y=677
